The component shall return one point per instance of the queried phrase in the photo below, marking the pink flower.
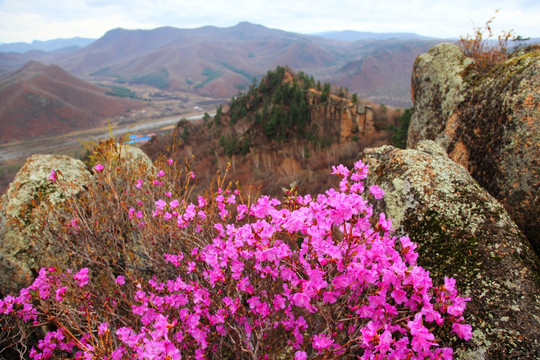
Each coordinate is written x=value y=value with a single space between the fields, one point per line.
x=341 y=171
x=161 y=173
x=139 y=184
x=386 y=225
x=98 y=167
x=60 y=292
x=322 y=341
x=52 y=176
x=376 y=191
x=74 y=223
x=81 y=277
x=201 y=201
x=160 y=205
x=316 y=279
x=103 y=328
x=301 y=300
x=458 y=306
x=117 y=354
x=464 y=331
x=422 y=337
x=170 y=162
x=330 y=296
x=367 y=273
x=399 y=295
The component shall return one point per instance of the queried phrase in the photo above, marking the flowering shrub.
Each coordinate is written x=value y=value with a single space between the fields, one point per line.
x=303 y=278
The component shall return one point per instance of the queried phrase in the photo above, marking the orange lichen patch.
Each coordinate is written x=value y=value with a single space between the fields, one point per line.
x=530 y=102
x=451 y=125
x=531 y=109
x=460 y=154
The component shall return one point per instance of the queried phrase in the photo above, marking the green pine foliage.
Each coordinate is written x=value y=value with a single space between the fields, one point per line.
x=400 y=132
x=280 y=107
x=275 y=109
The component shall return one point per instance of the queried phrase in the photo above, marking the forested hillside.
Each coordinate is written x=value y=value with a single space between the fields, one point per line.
x=286 y=128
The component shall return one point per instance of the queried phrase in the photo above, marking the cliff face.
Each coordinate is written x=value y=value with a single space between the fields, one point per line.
x=489 y=125
x=340 y=118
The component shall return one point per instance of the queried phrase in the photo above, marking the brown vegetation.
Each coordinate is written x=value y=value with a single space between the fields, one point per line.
x=43 y=100
x=485 y=51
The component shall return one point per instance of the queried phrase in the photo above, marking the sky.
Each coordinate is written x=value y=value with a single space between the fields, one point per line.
x=28 y=20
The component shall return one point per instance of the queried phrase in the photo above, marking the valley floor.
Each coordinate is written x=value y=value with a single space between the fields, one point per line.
x=13 y=155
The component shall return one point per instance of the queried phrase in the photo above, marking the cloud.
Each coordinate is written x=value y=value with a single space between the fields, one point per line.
x=33 y=19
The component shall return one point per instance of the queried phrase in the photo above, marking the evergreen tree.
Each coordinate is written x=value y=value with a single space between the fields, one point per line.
x=400 y=133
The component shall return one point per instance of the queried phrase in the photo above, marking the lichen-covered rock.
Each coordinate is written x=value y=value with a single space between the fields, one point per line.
x=24 y=207
x=26 y=213
x=490 y=125
x=132 y=157
x=463 y=232
x=437 y=89
x=123 y=161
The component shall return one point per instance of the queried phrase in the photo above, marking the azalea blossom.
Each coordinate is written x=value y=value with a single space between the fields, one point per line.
x=52 y=176
x=322 y=341
x=81 y=277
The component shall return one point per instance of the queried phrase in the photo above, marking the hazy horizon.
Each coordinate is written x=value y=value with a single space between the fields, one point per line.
x=321 y=33
x=30 y=20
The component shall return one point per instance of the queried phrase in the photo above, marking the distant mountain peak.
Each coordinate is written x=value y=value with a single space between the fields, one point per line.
x=248 y=24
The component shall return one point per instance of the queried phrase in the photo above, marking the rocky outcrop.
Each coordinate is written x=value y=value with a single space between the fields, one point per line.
x=24 y=208
x=463 y=232
x=437 y=90
x=340 y=118
x=488 y=124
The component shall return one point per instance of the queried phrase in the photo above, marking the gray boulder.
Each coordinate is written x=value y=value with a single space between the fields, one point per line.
x=437 y=89
x=463 y=232
x=28 y=221
x=25 y=208
x=488 y=123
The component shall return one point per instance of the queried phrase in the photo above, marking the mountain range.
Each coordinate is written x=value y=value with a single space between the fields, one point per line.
x=49 y=45
x=350 y=35
x=218 y=62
